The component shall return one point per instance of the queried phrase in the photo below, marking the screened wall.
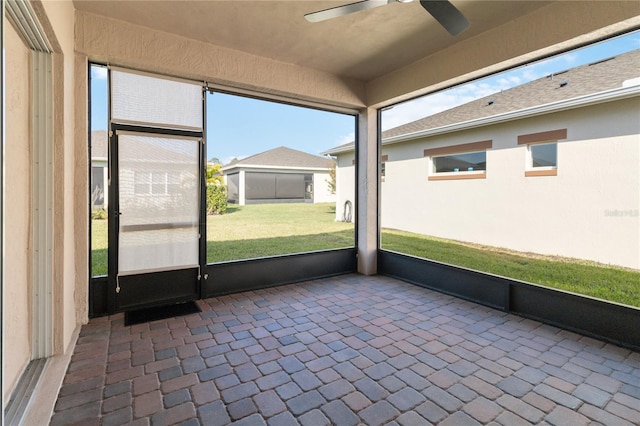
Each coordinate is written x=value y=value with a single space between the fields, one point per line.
x=262 y=187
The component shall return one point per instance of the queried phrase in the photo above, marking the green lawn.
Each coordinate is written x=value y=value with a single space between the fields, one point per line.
x=261 y=230
x=99 y=245
x=258 y=230
x=601 y=281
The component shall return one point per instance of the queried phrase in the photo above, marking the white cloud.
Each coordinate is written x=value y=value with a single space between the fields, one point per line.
x=451 y=98
x=227 y=160
x=345 y=139
x=433 y=104
x=99 y=73
x=530 y=75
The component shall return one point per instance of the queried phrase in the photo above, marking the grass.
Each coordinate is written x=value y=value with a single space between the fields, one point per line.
x=99 y=246
x=261 y=230
x=604 y=282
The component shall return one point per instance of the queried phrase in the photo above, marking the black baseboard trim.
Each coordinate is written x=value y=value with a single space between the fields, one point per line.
x=98 y=298
x=244 y=275
x=254 y=274
x=610 y=322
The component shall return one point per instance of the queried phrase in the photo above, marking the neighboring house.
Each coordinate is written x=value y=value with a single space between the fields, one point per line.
x=550 y=167
x=149 y=182
x=99 y=170
x=280 y=175
x=154 y=174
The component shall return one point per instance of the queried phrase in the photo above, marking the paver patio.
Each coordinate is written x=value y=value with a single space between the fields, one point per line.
x=345 y=350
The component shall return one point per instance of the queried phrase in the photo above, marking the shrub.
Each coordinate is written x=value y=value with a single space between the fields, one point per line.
x=216 y=199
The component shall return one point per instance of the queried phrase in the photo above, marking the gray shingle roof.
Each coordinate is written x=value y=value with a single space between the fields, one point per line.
x=583 y=80
x=99 y=144
x=580 y=81
x=285 y=157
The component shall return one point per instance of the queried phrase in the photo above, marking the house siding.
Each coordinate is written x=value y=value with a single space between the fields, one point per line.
x=588 y=211
x=345 y=185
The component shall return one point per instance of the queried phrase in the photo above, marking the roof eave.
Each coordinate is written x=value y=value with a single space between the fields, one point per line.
x=267 y=167
x=567 y=104
x=339 y=150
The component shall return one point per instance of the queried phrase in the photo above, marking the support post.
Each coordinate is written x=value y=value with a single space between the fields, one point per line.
x=241 y=191
x=367 y=207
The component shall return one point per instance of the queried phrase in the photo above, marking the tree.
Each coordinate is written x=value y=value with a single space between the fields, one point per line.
x=332 y=177
x=214 y=160
x=214 y=174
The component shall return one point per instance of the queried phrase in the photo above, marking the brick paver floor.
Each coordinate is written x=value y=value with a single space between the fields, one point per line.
x=346 y=350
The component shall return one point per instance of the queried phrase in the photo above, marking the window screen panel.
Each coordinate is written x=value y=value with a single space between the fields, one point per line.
x=233 y=183
x=159 y=203
x=289 y=186
x=260 y=186
x=160 y=102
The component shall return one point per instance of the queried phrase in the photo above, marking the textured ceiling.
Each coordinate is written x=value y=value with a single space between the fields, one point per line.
x=365 y=45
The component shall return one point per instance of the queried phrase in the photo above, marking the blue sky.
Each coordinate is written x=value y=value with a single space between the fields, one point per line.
x=240 y=127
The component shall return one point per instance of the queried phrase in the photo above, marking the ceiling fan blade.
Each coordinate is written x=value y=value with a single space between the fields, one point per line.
x=447 y=15
x=335 y=12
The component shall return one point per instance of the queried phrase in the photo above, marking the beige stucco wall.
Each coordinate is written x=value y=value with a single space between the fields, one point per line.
x=17 y=305
x=124 y=44
x=60 y=25
x=572 y=214
x=81 y=187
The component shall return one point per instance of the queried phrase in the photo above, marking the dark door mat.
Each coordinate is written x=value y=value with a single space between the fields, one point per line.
x=160 y=312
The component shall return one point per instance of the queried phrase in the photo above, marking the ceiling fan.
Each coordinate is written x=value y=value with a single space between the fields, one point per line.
x=442 y=10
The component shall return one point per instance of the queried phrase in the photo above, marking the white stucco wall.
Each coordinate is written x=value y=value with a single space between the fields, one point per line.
x=17 y=306
x=345 y=185
x=321 y=192
x=588 y=211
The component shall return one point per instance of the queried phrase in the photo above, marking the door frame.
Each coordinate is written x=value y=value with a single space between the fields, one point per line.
x=164 y=293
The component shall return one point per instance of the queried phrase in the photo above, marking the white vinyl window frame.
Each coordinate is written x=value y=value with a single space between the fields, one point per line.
x=531 y=156
x=531 y=140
